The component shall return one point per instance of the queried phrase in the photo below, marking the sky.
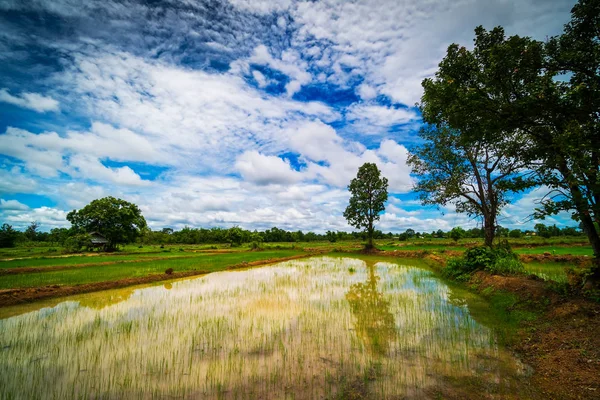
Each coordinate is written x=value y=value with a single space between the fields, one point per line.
x=250 y=113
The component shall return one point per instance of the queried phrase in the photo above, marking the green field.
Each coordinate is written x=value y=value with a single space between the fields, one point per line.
x=82 y=275
x=137 y=261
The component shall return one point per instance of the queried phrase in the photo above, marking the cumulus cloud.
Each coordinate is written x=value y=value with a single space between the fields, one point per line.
x=32 y=101
x=79 y=153
x=12 y=205
x=336 y=160
x=262 y=169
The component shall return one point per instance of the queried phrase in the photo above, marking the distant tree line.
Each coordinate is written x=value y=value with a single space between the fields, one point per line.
x=70 y=237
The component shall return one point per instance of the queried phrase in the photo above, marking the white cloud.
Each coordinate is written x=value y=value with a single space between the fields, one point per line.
x=261 y=6
x=262 y=169
x=395 y=44
x=260 y=79
x=337 y=161
x=32 y=101
x=366 y=92
x=376 y=119
x=185 y=112
x=13 y=205
x=91 y=168
x=47 y=217
x=79 y=153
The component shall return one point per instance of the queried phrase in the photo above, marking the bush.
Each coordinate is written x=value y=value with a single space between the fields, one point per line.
x=498 y=260
x=75 y=243
x=478 y=258
x=456 y=269
x=255 y=245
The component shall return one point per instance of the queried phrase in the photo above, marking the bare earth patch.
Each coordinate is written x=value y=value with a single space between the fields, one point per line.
x=563 y=345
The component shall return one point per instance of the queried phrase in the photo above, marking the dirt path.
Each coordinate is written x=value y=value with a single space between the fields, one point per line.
x=563 y=344
x=24 y=295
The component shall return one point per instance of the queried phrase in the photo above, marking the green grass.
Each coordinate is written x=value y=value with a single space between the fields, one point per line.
x=557 y=250
x=131 y=270
x=550 y=270
x=77 y=259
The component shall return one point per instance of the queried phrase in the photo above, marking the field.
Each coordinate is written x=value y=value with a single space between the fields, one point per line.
x=330 y=322
x=322 y=327
x=48 y=266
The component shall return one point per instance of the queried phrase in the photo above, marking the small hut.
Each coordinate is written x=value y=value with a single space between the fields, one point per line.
x=97 y=240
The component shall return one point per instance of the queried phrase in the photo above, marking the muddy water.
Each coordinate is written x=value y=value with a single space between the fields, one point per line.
x=305 y=329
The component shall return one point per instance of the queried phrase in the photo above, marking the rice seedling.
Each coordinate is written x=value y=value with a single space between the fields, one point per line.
x=299 y=329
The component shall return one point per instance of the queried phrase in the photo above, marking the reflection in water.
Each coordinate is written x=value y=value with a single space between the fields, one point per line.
x=302 y=329
x=374 y=321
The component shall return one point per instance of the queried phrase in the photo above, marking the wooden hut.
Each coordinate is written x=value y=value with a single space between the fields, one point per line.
x=97 y=240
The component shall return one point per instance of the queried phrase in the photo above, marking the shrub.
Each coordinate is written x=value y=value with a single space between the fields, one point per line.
x=75 y=243
x=498 y=260
x=477 y=258
x=456 y=269
x=255 y=245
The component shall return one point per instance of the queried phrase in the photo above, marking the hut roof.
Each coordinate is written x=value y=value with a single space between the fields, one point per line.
x=98 y=238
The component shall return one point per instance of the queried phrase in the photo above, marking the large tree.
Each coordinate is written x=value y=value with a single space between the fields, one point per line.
x=473 y=174
x=548 y=93
x=118 y=220
x=368 y=196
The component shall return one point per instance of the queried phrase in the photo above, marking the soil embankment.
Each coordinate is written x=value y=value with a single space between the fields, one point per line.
x=24 y=295
x=562 y=344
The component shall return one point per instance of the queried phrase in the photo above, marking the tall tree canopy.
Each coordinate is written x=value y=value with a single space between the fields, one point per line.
x=474 y=174
x=118 y=220
x=368 y=196
x=545 y=93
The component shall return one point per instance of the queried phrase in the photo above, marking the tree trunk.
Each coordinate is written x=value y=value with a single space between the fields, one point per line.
x=489 y=230
x=370 y=234
x=587 y=222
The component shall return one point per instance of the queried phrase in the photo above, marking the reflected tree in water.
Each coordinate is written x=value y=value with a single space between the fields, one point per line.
x=375 y=323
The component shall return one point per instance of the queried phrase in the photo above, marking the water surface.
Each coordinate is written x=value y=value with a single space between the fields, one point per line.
x=305 y=329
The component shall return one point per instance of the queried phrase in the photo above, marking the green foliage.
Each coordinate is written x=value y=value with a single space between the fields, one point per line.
x=457 y=269
x=546 y=95
x=457 y=233
x=31 y=231
x=515 y=233
x=118 y=220
x=331 y=236
x=8 y=236
x=498 y=260
x=235 y=236
x=368 y=196
x=75 y=243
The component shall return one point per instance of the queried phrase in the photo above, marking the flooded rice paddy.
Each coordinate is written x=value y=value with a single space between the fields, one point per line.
x=316 y=328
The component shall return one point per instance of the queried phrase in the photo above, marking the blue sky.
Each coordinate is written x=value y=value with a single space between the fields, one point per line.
x=254 y=113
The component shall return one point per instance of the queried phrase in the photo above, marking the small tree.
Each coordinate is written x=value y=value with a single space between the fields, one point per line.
x=516 y=233
x=8 y=236
x=234 y=236
x=31 y=233
x=331 y=236
x=117 y=220
x=368 y=196
x=457 y=233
